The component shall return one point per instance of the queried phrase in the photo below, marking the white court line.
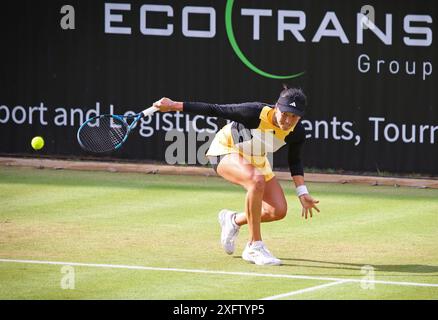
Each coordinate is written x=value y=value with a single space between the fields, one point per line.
x=293 y=293
x=247 y=274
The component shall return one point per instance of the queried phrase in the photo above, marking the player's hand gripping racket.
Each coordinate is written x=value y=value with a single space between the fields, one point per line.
x=108 y=132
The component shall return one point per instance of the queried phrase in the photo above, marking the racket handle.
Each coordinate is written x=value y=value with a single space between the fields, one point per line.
x=149 y=111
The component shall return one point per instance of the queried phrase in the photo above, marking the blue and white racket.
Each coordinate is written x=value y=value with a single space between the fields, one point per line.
x=108 y=132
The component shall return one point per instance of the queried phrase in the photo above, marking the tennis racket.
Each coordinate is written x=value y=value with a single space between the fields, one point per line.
x=108 y=132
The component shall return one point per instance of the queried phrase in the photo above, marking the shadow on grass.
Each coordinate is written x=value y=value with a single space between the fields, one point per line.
x=400 y=268
x=412 y=269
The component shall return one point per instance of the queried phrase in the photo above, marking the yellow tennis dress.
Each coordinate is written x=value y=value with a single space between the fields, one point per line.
x=264 y=139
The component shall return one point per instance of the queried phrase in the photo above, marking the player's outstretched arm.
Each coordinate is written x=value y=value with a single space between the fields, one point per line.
x=246 y=113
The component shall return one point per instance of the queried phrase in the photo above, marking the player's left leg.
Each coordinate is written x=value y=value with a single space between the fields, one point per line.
x=274 y=205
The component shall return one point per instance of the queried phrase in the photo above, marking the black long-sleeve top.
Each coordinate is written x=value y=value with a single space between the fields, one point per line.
x=247 y=116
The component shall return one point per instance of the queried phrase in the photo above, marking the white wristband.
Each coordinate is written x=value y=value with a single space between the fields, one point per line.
x=302 y=190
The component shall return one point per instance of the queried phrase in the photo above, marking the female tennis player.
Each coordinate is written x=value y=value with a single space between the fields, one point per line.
x=238 y=154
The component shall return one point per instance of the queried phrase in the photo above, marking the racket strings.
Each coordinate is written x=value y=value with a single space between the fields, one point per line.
x=102 y=134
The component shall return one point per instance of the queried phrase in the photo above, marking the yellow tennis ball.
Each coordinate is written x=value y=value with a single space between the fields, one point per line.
x=37 y=143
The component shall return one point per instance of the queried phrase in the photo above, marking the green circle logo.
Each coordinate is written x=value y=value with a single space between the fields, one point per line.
x=240 y=54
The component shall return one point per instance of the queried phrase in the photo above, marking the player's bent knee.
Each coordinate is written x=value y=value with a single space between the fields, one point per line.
x=280 y=212
x=257 y=183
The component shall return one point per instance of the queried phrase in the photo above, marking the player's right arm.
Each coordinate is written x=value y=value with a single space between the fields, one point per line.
x=245 y=113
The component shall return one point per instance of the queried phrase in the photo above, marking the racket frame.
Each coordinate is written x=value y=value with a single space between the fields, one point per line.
x=122 y=118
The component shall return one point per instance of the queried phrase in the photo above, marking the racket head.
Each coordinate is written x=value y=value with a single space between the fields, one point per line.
x=104 y=133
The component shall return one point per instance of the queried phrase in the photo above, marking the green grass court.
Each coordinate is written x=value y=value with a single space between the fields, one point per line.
x=167 y=226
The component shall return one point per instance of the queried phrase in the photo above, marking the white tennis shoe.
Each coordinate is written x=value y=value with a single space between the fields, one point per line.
x=257 y=253
x=229 y=230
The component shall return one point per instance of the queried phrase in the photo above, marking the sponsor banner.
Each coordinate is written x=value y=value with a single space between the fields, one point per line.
x=367 y=68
